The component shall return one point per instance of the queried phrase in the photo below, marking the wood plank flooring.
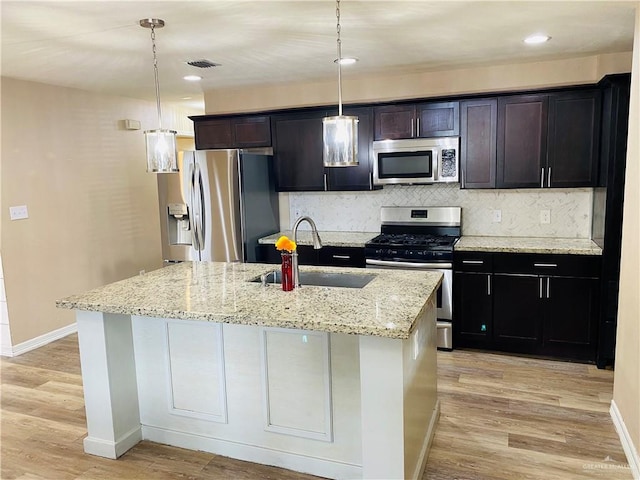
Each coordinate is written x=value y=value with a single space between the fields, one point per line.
x=502 y=417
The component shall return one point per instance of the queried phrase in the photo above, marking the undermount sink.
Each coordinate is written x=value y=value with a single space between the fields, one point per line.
x=321 y=279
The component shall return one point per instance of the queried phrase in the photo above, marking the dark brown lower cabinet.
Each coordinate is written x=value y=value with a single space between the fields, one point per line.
x=518 y=307
x=473 y=309
x=570 y=317
x=517 y=312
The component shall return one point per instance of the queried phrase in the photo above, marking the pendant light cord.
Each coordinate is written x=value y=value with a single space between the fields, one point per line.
x=339 y=60
x=155 y=72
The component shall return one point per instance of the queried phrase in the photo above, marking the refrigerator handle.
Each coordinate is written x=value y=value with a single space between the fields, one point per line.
x=195 y=206
x=192 y=206
x=200 y=193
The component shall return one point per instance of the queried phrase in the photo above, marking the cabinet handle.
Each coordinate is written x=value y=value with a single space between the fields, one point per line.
x=473 y=262
x=342 y=257
x=546 y=265
x=325 y=182
x=412 y=134
x=418 y=127
x=542 y=178
x=548 y=282
x=540 y=287
x=548 y=177
x=489 y=285
x=370 y=180
x=462 y=179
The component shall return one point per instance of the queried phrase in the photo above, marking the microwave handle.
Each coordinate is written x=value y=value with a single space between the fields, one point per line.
x=434 y=160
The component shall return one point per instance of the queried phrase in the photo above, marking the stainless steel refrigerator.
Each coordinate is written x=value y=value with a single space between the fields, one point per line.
x=218 y=206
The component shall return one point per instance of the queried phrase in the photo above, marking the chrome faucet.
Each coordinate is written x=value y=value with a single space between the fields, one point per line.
x=317 y=244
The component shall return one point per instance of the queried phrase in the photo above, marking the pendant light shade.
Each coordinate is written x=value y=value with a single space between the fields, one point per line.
x=162 y=149
x=340 y=133
x=340 y=140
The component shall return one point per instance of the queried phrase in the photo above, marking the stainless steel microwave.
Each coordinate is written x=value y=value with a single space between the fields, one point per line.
x=416 y=161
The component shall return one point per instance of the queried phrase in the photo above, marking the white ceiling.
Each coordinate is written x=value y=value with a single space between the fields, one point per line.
x=99 y=46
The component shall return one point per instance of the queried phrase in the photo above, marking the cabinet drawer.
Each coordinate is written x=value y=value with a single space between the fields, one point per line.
x=342 y=256
x=552 y=265
x=267 y=253
x=473 y=262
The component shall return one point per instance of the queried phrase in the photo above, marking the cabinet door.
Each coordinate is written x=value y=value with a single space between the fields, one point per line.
x=517 y=312
x=570 y=317
x=394 y=121
x=355 y=178
x=574 y=139
x=213 y=133
x=297 y=151
x=522 y=141
x=251 y=131
x=438 y=119
x=472 y=309
x=478 y=127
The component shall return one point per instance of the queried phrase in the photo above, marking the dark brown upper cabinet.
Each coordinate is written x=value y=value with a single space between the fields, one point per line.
x=478 y=119
x=298 y=146
x=574 y=139
x=232 y=132
x=433 y=119
x=522 y=141
x=549 y=140
x=297 y=151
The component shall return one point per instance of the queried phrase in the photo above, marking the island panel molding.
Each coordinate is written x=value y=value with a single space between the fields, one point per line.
x=194 y=352
x=379 y=391
x=296 y=379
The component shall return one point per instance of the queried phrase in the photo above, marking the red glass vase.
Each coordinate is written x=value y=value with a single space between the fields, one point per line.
x=287 y=271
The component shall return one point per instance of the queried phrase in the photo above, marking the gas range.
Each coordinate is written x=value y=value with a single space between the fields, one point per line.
x=420 y=238
x=416 y=234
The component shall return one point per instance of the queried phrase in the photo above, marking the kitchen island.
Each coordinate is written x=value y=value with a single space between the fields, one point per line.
x=338 y=382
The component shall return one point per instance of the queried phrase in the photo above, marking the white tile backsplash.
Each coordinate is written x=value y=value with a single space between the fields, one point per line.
x=360 y=211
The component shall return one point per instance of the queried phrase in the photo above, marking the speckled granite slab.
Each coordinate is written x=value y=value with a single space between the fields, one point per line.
x=334 y=239
x=573 y=246
x=222 y=292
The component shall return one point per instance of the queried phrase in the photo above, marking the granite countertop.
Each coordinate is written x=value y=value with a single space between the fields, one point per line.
x=333 y=239
x=221 y=292
x=572 y=246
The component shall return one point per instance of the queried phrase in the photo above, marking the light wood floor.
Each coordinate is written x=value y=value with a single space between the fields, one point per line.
x=502 y=418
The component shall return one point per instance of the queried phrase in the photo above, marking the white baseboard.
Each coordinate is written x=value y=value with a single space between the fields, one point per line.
x=37 y=342
x=627 y=443
x=113 y=450
x=253 y=453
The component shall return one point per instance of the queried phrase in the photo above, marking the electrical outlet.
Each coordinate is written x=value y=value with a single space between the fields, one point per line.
x=545 y=216
x=497 y=216
x=18 y=212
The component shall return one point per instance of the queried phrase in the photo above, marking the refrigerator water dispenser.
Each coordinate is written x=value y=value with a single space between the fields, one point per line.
x=178 y=223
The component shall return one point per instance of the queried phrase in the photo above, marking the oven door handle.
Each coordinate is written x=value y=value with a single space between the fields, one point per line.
x=389 y=263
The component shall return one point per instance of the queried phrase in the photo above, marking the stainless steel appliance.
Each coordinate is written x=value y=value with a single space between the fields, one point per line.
x=416 y=161
x=218 y=206
x=420 y=238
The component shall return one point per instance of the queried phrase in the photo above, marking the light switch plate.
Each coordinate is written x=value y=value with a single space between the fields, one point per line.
x=18 y=212
x=497 y=216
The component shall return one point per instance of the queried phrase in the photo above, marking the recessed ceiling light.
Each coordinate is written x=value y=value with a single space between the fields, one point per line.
x=346 y=60
x=537 y=38
x=192 y=78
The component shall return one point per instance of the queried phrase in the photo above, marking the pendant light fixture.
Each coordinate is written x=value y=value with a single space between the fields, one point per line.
x=340 y=134
x=162 y=151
